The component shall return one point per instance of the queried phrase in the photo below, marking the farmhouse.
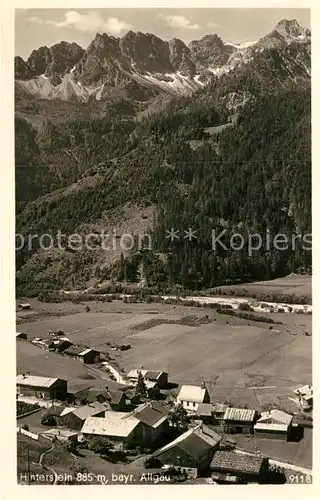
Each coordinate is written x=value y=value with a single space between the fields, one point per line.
x=123 y=429
x=205 y=413
x=77 y=392
x=191 y=452
x=239 y=420
x=274 y=424
x=21 y=336
x=24 y=306
x=153 y=389
x=304 y=397
x=155 y=418
x=231 y=467
x=211 y=413
x=116 y=399
x=47 y=344
x=61 y=344
x=160 y=377
x=75 y=417
x=87 y=356
x=41 y=387
x=218 y=411
x=190 y=396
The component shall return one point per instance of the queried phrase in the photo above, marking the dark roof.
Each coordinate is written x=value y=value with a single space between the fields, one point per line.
x=75 y=386
x=195 y=442
x=81 y=394
x=116 y=396
x=236 y=462
x=152 y=374
x=62 y=342
x=150 y=413
x=113 y=397
x=204 y=410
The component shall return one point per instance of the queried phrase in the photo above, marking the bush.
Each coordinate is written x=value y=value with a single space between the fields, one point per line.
x=244 y=306
x=100 y=445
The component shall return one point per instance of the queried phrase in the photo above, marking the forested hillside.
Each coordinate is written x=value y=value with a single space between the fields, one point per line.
x=235 y=156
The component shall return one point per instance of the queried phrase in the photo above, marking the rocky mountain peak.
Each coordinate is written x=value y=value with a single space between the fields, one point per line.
x=180 y=57
x=145 y=52
x=52 y=61
x=210 y=51
x=142 y=63
x=290 y=28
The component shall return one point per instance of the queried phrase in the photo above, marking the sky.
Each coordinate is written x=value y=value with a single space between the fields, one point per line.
x=37 y=27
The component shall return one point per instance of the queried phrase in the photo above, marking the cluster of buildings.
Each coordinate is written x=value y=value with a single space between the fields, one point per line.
x=272 y=424
x=62 y=345
x=101 y=412
x=128 y=421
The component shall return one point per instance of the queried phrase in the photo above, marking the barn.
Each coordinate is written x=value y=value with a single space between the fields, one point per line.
x=41 y=387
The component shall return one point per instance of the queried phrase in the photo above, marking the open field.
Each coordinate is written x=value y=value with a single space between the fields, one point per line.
x=230 y=353
x=299 y=285
x=48 y=364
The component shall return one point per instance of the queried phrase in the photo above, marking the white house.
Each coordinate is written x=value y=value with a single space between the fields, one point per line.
x=274 y=424
x=190 y=396
x=304 y=397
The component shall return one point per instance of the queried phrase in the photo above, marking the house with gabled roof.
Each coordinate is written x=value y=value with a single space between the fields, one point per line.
x=191 y=396
x=155 y=417
x=239 y=420
x=191 y=452
x=41 y=387
x=230 y=467
x=75 y=417
x=85 y=355
x=158 y=377
x=123 y=429
x=211 y=414
x=274 y=424
x=21 y=336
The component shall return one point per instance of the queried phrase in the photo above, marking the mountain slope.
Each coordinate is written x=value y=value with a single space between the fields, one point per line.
x=233 y=154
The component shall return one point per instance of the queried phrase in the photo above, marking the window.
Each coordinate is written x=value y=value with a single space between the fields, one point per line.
x=194 y=404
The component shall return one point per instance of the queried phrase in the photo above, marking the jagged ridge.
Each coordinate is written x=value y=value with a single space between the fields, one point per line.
x=140 y=65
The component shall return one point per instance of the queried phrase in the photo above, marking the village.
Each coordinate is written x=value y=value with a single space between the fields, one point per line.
x=146 y=428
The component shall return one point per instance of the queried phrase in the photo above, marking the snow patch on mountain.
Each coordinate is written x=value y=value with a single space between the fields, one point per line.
x=243 y=45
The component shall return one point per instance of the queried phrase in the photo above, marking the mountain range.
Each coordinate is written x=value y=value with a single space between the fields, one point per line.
x=141 y=64
x=142 y=135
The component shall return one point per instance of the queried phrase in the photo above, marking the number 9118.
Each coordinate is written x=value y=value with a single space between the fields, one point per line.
x=300 y=479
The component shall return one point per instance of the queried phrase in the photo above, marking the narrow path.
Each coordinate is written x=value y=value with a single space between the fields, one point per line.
x=46 y=467
x=118 y=376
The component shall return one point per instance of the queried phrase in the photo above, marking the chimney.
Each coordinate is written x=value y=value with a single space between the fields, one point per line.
x=203 y=385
